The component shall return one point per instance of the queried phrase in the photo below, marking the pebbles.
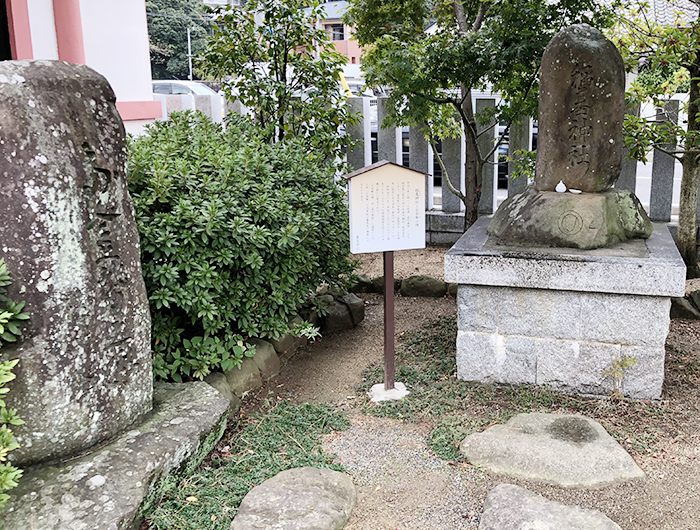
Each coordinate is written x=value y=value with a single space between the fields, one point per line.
x=400 y=482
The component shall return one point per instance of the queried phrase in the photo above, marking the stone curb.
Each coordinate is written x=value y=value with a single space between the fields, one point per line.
x=346 y=311
x=235 y=384
x=111 y=487
x=686 y=307
x=376 y=285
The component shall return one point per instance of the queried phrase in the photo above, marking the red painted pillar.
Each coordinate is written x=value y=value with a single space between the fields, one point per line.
x=20 y=32
x=69 y=31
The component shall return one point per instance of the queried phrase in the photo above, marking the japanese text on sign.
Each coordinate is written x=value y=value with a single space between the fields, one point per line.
x=387 y=212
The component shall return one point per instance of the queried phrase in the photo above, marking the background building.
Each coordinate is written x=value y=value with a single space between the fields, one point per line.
x=341 y=34
x=110 y=37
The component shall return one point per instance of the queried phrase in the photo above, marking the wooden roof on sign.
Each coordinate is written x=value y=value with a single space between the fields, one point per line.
x=377 y=165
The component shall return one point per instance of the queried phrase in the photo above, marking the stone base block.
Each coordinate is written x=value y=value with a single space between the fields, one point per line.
x=109 y=488
x=569 y=366
x=561 y=318
x=443 y=228
x=588 y=220
x=379 y=392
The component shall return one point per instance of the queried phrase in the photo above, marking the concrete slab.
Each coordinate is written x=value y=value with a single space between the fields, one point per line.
x=510 y=507
x=378 y=393
x=108 y=488
x=563 y=449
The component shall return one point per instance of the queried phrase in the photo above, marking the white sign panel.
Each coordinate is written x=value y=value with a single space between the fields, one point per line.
x=387 y=210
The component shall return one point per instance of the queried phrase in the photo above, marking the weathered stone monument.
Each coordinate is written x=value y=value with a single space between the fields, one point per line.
x=563 y=289
x=84 y=378
x=579 y=153
x=70 y=241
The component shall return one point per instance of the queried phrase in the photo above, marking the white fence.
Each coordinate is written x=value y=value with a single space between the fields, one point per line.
x=656 y=183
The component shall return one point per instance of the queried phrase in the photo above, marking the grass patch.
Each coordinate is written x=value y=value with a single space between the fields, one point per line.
x=256 y=449
x=426 y=364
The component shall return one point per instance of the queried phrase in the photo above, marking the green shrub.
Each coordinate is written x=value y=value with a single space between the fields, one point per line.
x=11 y=317
x=235 y=233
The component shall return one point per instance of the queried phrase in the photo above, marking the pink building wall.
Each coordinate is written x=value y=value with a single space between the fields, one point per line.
x=110 y=37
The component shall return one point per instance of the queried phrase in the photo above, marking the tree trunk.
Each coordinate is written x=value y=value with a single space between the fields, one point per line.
x=687 y=224
x=471 y=163
x=471 y=175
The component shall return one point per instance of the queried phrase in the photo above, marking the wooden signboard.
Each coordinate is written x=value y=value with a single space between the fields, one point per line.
x=387 y=208
x=387 y=213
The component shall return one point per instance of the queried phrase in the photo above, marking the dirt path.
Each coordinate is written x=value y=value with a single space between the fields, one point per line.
x=329 y=370
x=402 y=485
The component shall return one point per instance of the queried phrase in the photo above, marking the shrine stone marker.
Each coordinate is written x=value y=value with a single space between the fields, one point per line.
x=579 y=153
x=71 y=246
x=582 y=95
x=568 y=280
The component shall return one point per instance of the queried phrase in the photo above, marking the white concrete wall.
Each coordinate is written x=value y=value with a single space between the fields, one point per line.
x=43 y=29
x=115 y=35
x=136 y=127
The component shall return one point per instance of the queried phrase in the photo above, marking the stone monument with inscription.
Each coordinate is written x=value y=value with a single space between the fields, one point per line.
x=568 y=280
x=579 y=153
x=70 y=242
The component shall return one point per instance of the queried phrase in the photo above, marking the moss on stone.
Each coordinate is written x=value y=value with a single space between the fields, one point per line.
x=170 y=481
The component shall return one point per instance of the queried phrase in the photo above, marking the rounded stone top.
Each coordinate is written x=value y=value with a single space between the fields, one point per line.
x=581 y=109
x=583 y=35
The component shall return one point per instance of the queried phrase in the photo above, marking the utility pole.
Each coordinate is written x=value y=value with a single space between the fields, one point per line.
x=189 y=52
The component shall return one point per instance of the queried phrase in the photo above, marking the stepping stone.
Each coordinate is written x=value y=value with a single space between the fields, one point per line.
x=563 y=449
x=303 y=498
x=510 y=507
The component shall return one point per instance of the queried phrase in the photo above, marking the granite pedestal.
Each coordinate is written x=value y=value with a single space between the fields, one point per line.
x=560 y=317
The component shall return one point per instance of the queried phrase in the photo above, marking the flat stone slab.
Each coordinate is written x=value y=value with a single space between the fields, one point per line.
x=106 y=488
x=651 y=267
x=303 y=498
x=563 y=449
x=510 y=507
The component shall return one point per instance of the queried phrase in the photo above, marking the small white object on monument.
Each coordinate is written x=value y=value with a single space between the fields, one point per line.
x=387 y=213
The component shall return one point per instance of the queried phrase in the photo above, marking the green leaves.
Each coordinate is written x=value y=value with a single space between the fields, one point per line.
x=279 y=63
x=665 y=56
x=500 y=52
x=11 y=318
x=245 y=231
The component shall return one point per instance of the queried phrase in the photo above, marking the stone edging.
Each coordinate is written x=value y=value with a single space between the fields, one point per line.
x=341 y=310
x=413 y=286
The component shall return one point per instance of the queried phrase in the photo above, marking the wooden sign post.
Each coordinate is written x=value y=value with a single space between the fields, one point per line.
x=387 y=213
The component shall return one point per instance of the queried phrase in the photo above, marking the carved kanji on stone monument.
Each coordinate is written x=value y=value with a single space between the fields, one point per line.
x=70 y=243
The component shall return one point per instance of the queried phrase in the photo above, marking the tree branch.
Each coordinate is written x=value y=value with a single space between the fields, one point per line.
x=675 y=154
x=480 y=17
x=460 y=17
x=487 y=129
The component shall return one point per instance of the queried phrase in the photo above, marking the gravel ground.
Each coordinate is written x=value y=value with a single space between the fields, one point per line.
x=393 y=469
x=428 y=261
